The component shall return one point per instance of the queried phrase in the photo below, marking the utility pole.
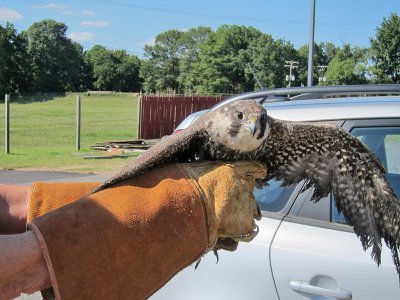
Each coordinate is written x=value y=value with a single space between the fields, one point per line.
x=291 y=64
x=321 y=77
x=311 y=44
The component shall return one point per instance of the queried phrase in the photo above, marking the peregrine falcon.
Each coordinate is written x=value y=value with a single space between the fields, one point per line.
x=325 y=156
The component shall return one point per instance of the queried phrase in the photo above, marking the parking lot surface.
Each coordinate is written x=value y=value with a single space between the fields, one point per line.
x=27 y=177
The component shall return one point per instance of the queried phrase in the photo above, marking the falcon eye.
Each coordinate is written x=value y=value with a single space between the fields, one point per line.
x=240 y=115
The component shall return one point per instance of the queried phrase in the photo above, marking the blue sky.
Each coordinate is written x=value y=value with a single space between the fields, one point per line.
x=129 y=24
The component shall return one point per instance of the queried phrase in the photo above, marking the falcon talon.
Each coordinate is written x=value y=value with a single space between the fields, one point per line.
x=197 y=263
x=216 y=255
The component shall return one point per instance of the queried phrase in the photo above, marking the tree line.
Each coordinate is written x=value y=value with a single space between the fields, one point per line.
x=230 y=59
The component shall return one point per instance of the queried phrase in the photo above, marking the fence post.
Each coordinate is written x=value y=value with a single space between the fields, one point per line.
x=7 y=124
x=139 y=129
x=78 y=122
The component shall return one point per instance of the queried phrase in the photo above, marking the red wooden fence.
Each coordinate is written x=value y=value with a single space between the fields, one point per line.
x=159 y=115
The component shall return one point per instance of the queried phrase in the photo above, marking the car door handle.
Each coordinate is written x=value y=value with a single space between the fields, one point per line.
x=305 y=287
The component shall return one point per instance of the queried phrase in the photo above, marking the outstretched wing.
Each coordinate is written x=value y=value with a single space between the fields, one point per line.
x=174 y=148
x=332 y=160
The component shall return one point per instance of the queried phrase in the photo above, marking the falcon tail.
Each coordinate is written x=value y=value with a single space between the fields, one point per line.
x=374 y=212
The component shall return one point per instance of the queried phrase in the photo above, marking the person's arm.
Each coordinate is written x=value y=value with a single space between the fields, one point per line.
x=13 y=208
x=129 y=240
x=23 y=268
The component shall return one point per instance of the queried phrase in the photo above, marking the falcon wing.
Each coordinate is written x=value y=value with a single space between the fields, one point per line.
x=332 y=160
x=174 y=148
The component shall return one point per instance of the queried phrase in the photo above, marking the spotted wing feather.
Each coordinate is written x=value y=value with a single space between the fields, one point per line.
x=332 y=160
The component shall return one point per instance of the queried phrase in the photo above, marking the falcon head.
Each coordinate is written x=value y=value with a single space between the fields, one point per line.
x=241 y=125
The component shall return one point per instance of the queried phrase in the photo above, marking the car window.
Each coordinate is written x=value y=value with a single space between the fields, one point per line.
x=273 y=197
x=385 y=143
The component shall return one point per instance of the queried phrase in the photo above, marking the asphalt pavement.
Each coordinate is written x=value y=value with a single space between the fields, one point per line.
x=27 y=177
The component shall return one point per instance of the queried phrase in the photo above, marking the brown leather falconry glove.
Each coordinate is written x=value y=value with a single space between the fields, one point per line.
x=127 y=241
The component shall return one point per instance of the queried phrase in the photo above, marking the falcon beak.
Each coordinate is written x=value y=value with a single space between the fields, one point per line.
x=252 y=127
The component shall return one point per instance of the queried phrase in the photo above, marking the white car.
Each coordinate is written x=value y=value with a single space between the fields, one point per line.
x=304 y=250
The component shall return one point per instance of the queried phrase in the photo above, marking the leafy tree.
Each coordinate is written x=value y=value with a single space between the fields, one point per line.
x=191 y=41
x=221 y=66
x=127 y=72
x=329 y=51
x=113 y=70
x=74 y=72
x=267 y=60
x=149 y=74
x=169 y=62
x=385 y=50
x=14 y=61
x=101 y=62
x=348 y=66
x=56 y=61
x=163 y=62
x=323 y=54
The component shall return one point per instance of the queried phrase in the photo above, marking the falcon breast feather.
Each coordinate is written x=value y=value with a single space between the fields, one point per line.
x=325 y=156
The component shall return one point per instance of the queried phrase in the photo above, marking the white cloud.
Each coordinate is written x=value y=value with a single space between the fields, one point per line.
x=97 y=24
x=87 y=13
x=58 y=7
x=10 y=15
x=54 y=6
x=81 y=36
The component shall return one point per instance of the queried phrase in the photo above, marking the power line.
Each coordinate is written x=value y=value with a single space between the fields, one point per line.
x=96 y=41
x=79 y=18
x=219 y=16
x=192 y=13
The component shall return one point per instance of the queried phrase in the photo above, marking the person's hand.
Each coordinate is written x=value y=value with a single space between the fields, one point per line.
x=229 y=200
x=23 y=269
x=13 y=208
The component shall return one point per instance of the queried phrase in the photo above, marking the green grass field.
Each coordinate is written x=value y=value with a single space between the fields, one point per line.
x=42 y=134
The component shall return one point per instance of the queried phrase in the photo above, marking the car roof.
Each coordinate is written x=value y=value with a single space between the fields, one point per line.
x=320 y=103
x=336 y=108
